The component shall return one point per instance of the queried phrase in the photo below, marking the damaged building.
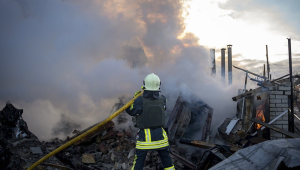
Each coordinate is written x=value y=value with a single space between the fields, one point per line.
x=105 y=148
x=258 y=138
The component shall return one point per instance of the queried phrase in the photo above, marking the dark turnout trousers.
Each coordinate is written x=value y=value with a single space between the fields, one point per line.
x=140 y=156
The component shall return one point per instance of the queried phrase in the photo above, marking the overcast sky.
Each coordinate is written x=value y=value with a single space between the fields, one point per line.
x=248 y=25
x=62 y=61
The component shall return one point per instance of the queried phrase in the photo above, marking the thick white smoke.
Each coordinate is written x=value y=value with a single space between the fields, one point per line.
x=65 y=58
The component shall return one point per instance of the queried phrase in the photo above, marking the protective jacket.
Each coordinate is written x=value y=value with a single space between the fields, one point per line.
x=150 y=104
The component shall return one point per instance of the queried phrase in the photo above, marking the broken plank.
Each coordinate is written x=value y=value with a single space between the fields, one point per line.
x=183 y=161
x=293 y=135
x=250 y=72
x=248 y=93
x=280 y=78
x=205 y=145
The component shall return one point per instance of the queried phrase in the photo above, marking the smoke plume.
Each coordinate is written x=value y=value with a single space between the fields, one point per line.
x=62 y=56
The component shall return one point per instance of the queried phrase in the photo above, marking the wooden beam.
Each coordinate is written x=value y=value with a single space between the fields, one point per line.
x=250 y=72
x=280 y=78
x=183 y=160
x=293 y=135
x=205 y=145
x=248 y=93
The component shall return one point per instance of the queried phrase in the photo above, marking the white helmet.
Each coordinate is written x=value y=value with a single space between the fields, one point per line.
x=152 y=82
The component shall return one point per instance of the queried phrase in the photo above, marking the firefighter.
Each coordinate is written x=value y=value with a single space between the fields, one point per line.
x=148 y=115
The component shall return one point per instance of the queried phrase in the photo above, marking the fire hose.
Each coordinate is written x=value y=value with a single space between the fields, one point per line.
x=84 y=134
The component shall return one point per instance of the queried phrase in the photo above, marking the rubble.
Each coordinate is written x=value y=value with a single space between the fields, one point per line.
x=88 y=159
x=107 y=148
x=36 y=150
x=189 y=119
x=19 y=148
x=272 y=154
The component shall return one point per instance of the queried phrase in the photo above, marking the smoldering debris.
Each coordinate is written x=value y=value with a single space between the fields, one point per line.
x=110 y=147
x=18 y=146
x=64 y=126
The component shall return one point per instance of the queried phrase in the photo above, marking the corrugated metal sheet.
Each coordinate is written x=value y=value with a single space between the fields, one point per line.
x=264 y=156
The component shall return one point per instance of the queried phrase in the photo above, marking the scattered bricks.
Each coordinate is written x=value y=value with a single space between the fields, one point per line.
x=117 y=154
x=98 y=155
x=112 y=157
x=103 y=148
x=109 y=141
x=98 y=139
x=132 y=145
x=275 y=100
x=281 y=96
x=36 y=150
x=282 y=105
x=88 y=159
x=107 y=166
x=129 y=133
x=119 y=148
x=131 y=153
x=272 y=105
x=125 y=166
x=110 y=134
x=287 y=92
x=287 y=84
x=284 y=88
x=120 y=134
x=277 y=92
x=94 y=133
x=118 y=165
x=272 y=96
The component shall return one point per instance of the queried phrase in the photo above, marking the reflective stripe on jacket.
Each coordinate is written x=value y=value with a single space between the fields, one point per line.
x=152 y=138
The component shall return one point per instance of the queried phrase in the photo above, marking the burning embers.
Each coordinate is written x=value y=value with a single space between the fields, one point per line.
x=259 y=115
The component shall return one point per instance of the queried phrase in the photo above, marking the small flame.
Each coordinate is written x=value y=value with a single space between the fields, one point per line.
x=260 y=116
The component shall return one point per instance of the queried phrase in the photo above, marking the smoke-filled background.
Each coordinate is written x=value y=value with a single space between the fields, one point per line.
x=66 y=62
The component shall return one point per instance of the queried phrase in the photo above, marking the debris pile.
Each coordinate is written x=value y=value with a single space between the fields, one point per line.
x=105 y=149
x=19 y=148
x=272 y=154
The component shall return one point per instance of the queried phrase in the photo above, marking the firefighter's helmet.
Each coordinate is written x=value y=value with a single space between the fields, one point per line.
x=152 y=82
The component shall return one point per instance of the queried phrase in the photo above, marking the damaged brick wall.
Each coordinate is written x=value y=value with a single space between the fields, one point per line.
x=278 y=104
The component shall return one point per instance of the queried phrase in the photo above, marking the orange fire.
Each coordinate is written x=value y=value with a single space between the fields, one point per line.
x=260 y=116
